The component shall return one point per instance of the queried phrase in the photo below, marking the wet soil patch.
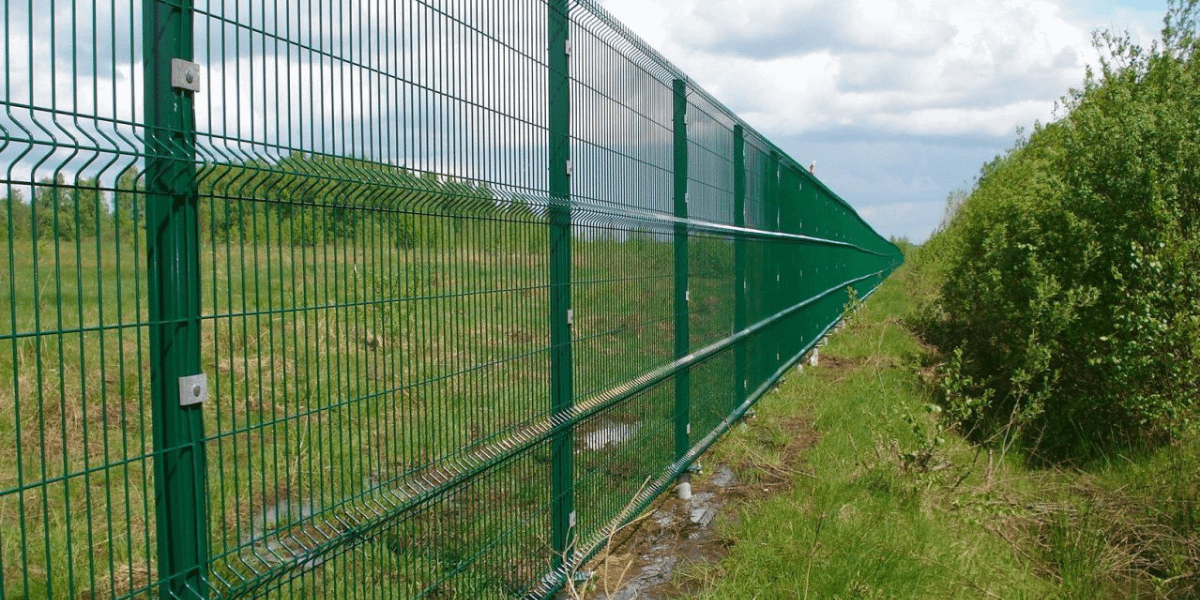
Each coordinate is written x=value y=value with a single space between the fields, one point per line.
x=648 y=559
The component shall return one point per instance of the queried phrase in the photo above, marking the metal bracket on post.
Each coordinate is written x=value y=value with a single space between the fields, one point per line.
x=193 y=389
x=185 y=75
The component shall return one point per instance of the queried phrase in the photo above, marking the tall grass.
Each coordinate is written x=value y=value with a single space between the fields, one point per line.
x=337 y=371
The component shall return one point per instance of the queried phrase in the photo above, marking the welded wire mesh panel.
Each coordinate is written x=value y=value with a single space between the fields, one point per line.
x=375 y=264
x=621 y=294
x=620 y=120
x=374 y=298
x=711 y=276
x=76 y=473
x=620 y=451
x=710 y=160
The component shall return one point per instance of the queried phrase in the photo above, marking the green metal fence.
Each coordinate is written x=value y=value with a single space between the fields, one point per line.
x=367 y=299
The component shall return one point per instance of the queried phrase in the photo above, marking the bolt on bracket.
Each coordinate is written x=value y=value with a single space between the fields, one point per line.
x=185 y=75
x=193 y=389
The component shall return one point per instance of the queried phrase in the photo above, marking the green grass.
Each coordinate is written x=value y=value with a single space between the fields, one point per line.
x=862 y=520
x=337 y=372
x=891 y=503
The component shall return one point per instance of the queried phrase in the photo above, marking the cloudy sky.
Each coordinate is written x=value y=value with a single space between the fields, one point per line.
x=899 y=102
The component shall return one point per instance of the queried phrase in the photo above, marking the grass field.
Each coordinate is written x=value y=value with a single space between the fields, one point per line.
x=341 y=377
x=858 y=520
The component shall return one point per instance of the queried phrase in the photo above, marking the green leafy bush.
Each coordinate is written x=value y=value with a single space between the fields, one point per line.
x=1069 y=279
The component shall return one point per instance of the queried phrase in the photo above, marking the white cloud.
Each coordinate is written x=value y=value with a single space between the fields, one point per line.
x=899 y=101
x=911 y=67
x=960 y=121
x=788 y=28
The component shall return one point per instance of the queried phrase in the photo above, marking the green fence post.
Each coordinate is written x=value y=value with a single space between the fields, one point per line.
x=791 y=259
x=682 y=342
x=739 y=263
x=173 y=252
x=774 y=252
x=561 y=393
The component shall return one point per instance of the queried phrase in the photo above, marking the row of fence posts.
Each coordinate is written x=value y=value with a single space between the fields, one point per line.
x=173 y=238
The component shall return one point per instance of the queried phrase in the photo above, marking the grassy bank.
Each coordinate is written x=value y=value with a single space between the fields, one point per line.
x=890 y=504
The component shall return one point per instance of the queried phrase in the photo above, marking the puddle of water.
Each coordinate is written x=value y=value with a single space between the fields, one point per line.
x=608 y=434
x=680 y=532
x=270 y=539
x=280 y=515
x=724 y=477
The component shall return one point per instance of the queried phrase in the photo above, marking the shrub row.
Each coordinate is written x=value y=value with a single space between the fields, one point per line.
x=1067 y=297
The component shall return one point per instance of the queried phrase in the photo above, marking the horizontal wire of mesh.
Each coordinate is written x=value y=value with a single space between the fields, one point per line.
x=373 y=193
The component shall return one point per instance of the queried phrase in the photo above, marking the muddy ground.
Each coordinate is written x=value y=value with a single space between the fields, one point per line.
x=650 y=558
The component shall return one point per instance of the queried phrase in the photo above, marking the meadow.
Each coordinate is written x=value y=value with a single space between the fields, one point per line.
x=350 y=382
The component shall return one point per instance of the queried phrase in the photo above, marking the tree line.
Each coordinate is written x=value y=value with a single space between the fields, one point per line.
x=297 y=199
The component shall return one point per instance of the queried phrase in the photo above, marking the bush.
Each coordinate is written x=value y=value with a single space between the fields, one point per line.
x=1068 y=279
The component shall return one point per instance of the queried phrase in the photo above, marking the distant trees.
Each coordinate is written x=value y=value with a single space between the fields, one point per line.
x=297 y=199
x=67 y=211
x=127 y=210
x=14 y=213
x=311 y=200
x=902 y=242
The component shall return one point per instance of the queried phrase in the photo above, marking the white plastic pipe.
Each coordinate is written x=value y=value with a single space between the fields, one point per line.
x=685 y=487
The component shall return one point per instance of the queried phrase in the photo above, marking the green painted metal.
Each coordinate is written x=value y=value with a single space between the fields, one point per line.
x=683 y=385
x=439 y=363
x=740 y=285
x=561 y=376
x=173 y=296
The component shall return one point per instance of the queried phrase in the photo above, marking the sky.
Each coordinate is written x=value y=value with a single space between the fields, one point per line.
x=898 y=102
